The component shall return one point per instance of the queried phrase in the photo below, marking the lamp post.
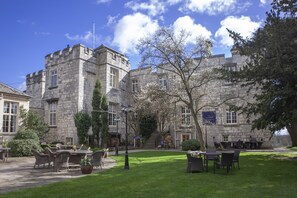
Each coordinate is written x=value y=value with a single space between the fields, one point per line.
x=117 y=119
x=126 y=110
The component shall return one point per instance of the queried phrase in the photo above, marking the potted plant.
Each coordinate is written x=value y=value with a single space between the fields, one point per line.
x=86 y=165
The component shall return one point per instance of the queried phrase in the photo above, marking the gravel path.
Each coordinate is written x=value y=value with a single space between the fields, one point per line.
x=18 y=173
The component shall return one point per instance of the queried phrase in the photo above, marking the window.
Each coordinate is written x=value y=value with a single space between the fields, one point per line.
x=114 y=56
x=185 y=137
x=69 y=141
x=231 y=117
x=186 y=116
x=113 y=77
x=54 y=78
x=163 y=83
x=112 y=113
x=230 y=68
x=52 y=113
x=134 y=85
x=225 y=138
x=10 y=111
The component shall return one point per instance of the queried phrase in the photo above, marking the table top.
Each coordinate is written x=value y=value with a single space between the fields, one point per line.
x=5 y=149
x=76 y=152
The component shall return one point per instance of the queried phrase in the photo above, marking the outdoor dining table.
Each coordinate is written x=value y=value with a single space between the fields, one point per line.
x=216 y=154
x=76 y=155
x=4 y=152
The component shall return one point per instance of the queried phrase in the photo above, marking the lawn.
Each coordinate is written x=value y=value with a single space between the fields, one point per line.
x=163 y=174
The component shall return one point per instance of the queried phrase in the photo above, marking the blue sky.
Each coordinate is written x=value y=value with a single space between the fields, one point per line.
x=31 y=29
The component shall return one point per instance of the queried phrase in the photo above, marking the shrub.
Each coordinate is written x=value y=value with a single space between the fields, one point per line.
x=23 y=143
x=23 y=147
x=190 y=145
x=26 y=134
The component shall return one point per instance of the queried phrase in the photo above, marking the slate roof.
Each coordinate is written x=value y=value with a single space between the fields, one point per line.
x=10 y=90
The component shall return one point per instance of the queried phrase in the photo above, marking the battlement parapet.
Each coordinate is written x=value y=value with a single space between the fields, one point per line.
x=69 y=53
x=35 y=77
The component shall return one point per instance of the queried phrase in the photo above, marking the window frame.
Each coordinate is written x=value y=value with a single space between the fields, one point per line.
x=54 y=78
x=10 y=117
x=134 y=85
x=113 y=77
x=163 y=83
x=185 y=116
x=112 y=113
x=231 y=117
x=53 y=113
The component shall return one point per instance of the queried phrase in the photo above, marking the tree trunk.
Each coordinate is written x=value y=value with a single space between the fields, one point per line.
x=199 y=132
x=292 y=129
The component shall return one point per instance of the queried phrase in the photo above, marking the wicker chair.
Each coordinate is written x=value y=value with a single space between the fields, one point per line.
x=236 y=158
x=194 y=164
x=62 y=160
x=50 y=153
x=41 y=159
x=226 y=160
x=97 y=158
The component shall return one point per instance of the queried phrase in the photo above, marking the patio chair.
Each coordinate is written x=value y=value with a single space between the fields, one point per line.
x=226 y=160
x=217 y=145
x=97 y=158
x=236 y=158
x=41 y=159
x=62 y=160
x=50 y=153
x=239 y=144
x=195 y=164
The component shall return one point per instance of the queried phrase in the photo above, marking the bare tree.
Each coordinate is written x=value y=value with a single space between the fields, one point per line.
x=150 y=100
x=170 y=52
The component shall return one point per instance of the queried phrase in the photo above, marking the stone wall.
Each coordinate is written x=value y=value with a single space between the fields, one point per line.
x=78 y=68
x=217 y=95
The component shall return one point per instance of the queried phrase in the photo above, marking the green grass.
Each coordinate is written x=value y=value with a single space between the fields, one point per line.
x=163 y=174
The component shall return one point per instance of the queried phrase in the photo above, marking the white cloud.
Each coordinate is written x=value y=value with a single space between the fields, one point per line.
x=173 y=2
x=130 y=29
x=102 y=1
x=196 y=30
x=111 y=20
x=22 y=86
x=242 y=25
x=153 y=7
x=263 y=1
x=87 y=38
x=213 y=7
x=209 y=6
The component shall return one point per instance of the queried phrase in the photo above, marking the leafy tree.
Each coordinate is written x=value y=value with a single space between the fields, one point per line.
x=271 y=69
x=83 y=123
x=31 y=120
x=147 y=125
x=171 y=52
x=99 y=114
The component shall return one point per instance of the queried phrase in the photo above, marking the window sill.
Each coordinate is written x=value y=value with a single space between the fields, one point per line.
x=54 y=87
x=231 y=124
x=8 y=133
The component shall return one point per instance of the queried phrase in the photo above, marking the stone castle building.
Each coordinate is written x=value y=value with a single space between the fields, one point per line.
x=66 y=86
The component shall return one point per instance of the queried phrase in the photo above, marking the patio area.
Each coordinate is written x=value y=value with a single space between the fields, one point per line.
x=18 y=173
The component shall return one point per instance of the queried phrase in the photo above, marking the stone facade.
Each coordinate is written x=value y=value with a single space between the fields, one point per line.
x=215 y=92
x=69 y=79
x=66 y=86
